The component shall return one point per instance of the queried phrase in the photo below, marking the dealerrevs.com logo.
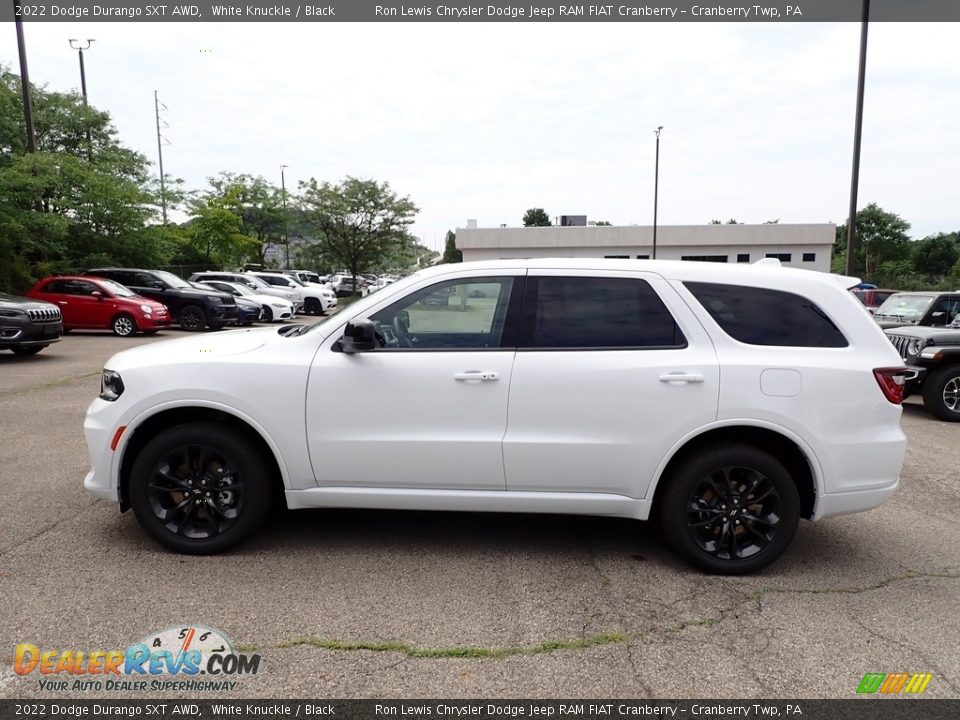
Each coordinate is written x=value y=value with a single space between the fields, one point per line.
x=191 y=658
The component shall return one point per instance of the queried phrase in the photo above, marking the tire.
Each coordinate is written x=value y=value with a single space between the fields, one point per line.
x=32 y=350
x=312 y=306
x=267 y=314
x=941 y=393
x=707 y=515
x=182 y=463
x=124 y=325
x=191 y=318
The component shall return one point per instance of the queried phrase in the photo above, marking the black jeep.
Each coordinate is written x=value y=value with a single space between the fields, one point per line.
x=934 y=309
x=932 y=356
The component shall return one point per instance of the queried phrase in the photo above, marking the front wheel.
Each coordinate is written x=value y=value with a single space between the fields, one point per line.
x=941 y=393
x=730 y=510
x=191 y=318
x=312 y=306
x=32 y=350
x=124 y=325
x=198 y=489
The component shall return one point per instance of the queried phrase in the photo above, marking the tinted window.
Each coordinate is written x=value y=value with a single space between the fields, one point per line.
x=743 y=257
x=55 y=286
x=809 y=257
x=590 y=312
x=760 y=316
x=783 y=257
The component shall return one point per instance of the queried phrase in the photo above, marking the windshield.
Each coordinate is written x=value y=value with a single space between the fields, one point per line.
x=118 y=289
x=242 y=289
x=295 y=281
x=172 y=280
x=904 y=306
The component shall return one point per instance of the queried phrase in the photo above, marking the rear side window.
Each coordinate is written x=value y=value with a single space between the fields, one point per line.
x=760 y=316
x=594 y=312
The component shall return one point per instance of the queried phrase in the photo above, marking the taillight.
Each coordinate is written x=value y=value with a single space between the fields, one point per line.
x=891 y=381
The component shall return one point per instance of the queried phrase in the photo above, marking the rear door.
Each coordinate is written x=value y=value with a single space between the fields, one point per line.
x=612 y=369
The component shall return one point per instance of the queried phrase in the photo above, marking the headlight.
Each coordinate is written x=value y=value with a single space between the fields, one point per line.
x=13 y=313
x=147 y=309
x=281 y=306
x=111 y=385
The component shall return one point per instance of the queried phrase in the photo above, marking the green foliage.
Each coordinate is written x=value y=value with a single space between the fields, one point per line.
x=881 y=238
x=450 y=252
x=536 y=217
x=257 y=205
x=935 y=256
x=357 y=222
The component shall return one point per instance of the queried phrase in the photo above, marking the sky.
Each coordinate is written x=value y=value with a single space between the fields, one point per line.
x=484 y=120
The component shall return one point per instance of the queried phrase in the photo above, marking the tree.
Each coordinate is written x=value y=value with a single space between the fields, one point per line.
x=536 y=217
x=71 y=204
x=256 y=203
x=881 y=237
x=358 y=222
x=450 y=253
x=935 y=256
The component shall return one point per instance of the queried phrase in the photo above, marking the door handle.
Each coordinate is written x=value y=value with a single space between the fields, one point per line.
x=477 y=376
x=680 y=377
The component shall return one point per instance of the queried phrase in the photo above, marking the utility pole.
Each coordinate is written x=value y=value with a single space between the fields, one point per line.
x=656 y=188
x=160 y=141
x=25 y=81
x=855 y=178
x=286 y=237
x=83 y=82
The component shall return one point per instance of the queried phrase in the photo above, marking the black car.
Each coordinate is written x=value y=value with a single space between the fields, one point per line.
x=192 y=308
x=933 y=309
x=27 y=326
x=932 y=356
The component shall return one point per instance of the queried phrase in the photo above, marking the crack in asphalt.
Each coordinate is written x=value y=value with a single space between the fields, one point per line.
x=930 y=666
x=598 y=639
x=58 y=382
x=47 y=528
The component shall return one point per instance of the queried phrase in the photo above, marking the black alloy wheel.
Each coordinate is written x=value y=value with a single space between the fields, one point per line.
x=191 y=318
x=731 y=509
x=124 y=325
x=941 y=394
x=267 y=315
x=313 y=306
x=199 y=489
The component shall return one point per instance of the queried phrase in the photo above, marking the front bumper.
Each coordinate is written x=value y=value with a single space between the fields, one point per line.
x=99 y=429
x=154 y=322
x=27 y=334
x=222 y=313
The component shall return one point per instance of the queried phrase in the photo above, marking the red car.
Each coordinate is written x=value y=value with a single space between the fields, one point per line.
x=95 y=303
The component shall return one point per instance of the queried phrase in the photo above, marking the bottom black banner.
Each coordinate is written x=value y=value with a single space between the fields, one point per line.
x=859 y=709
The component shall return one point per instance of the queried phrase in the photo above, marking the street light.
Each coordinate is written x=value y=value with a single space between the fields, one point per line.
x=24 y=80
x=656 y=183
x=75 y=44
x=858 y=129
x=286 y=238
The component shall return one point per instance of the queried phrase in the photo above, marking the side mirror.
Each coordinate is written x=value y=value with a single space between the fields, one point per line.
x=359 y=336
x=98 y=295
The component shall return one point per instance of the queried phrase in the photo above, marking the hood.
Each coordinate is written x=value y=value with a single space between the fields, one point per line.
x=195 y=348
x=935 y=336
x=889 y=324
x=18 y=302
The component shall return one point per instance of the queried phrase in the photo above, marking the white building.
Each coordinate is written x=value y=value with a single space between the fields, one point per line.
x=801 y=246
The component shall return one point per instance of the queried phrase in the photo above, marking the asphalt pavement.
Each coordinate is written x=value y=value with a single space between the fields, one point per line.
x=355 y=604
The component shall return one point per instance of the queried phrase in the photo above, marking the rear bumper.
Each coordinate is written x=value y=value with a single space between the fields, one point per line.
x=833 y=504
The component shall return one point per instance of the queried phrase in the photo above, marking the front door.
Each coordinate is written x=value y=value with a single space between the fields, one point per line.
x=428 y=408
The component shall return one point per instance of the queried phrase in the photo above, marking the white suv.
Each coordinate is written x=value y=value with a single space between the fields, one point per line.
x=316 y=299
x=725 y=401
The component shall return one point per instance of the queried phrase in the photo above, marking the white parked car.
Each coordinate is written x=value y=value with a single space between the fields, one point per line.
x=316 y=299
x=275 y=308
x=252 y=282
x=727 y=402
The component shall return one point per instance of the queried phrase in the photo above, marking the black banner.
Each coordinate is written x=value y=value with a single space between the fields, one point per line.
x=495 y=11
x=872 y=708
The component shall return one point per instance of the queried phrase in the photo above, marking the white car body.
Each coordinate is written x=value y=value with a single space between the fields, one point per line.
x=277 y=307
x=254 y=283
x=312 y=297
x=517 y=429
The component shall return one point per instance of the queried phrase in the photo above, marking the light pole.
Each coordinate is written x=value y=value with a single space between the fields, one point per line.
x=855 y=175
x=160 y=142
x=656 y=188
x=286 y=238
x=75 y=44
x=25 y=81
x=83 y=74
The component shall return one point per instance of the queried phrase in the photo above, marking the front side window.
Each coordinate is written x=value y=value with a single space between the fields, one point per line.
x=761 y=316
x=596 y=312
x=456 y=314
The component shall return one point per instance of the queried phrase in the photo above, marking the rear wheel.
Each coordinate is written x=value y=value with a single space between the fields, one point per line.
x=312 y=306
x=199 y=489
x=192 y=318
x=730 y=510
x=123 y=325
x=941 y=393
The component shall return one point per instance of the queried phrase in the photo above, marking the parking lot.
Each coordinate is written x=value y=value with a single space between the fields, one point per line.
x=375 y=604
